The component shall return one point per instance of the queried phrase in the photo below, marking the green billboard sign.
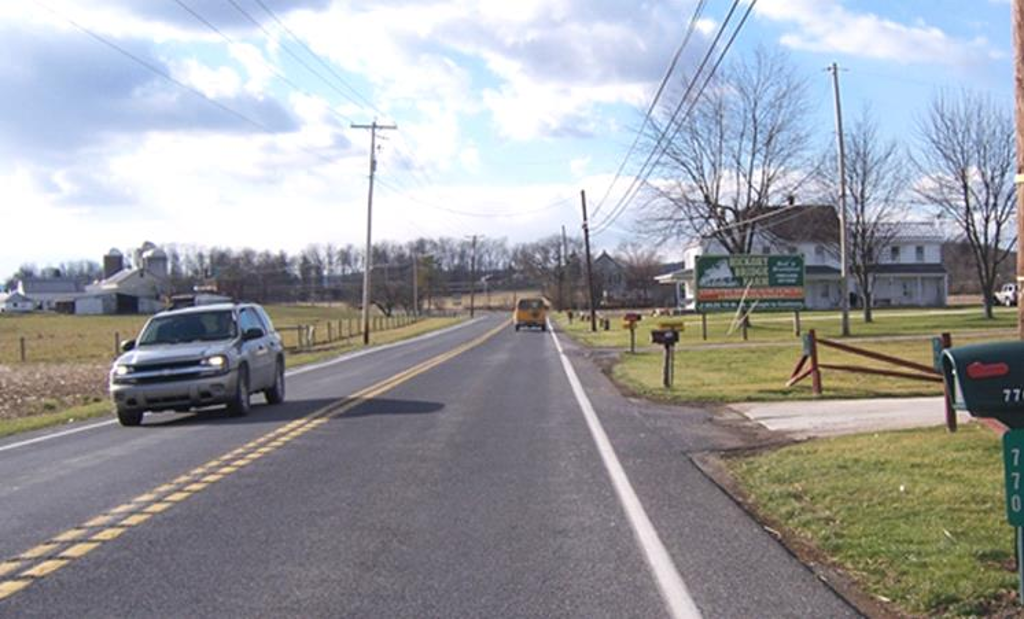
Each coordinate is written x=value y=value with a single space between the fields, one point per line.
x=772 y=282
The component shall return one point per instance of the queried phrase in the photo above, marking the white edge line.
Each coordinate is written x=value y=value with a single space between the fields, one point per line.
x=670 y=583
x=40 y=439
x=296 y=371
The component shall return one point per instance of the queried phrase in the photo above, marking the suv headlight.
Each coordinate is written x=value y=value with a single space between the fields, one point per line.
x=217 y=362
x=122 y=370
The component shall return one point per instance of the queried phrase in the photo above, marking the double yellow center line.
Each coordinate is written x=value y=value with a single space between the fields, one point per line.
x=46 y=558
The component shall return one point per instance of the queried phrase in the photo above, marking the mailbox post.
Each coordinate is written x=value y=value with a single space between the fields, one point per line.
x=629 y=321
x=668 y=336
x=987 y=380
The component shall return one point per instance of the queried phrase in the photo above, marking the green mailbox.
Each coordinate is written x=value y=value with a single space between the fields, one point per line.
x=987 y=380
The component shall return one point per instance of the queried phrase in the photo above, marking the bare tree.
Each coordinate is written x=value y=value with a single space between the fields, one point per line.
x=876 y=179
x=641 y=265
x=966 y=160
x=743 y=148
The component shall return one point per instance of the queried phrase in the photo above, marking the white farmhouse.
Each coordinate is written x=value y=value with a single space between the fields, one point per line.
x=909 y=274
x=15 y=303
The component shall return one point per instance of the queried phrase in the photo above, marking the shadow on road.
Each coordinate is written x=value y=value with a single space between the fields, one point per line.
x=288 y=411
x=384 y=407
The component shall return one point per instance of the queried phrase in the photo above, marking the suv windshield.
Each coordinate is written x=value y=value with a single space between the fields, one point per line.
x=196 y=327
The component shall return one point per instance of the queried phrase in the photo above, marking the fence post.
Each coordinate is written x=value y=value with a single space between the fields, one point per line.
x=704 y=325
x=812 y=340
x=330 y=331
x=23 y=349
x=796 y=323
x=746 y=324
x=951 y=421
x=117 y=343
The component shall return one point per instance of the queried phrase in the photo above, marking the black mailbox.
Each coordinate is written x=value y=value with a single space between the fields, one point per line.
x=665 y=337
x=987 y=380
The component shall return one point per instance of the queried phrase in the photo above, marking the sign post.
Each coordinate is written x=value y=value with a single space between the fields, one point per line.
x=1013 y=464
x=629 y=321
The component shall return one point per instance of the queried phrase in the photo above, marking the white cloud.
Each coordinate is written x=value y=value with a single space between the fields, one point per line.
x=214 y=82
x=828 y=26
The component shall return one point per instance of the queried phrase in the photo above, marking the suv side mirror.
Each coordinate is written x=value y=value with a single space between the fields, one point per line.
x=127 y=345
x=254 y=333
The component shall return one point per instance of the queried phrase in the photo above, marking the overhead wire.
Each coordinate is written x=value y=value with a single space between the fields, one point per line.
x=170 y=78
x=662 y=144
x=280 y=75
x=691 y=28
x=318 y=58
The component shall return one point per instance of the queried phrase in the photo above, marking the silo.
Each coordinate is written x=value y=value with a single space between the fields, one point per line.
x=113 y=263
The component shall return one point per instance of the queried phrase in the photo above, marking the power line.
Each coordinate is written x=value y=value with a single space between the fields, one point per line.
x=170 y=78
x=289 y=51
x=675 y=120
x=270 y=66
x=698 y=11
x=319 y=59
x=664 y=140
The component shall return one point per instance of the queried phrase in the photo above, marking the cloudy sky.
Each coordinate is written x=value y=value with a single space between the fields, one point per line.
x=227 y=122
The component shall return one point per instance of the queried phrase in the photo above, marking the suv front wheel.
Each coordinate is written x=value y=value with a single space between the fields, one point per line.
x=240 y=403
x=129 y=417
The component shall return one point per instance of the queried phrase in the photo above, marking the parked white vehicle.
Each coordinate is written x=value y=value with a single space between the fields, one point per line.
x=1007 y=295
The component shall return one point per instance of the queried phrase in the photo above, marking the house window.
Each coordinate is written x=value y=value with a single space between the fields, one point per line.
x=894 y=253
x=826 y=291
x=919 y=251
x=766 y=249
x=819 y=252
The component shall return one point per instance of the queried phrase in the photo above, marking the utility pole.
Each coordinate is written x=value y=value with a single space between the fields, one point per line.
x=562 y=261
x=1018 y=46
x=369 y=222
x=590 y=270
x=472 y=280
x=844 y=284
x=415 y=284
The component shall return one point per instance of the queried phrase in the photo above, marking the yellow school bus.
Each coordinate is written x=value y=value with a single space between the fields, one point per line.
x=531 y=312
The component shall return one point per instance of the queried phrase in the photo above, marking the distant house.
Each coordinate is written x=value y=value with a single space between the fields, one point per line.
x=909 y=274
x=138 y=290
x=49 y=293
x=15 y=303
x=609 y=278
x=141 y=289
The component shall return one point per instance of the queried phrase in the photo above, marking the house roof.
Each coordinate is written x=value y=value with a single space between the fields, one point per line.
x=808 y=224
x=49 y=286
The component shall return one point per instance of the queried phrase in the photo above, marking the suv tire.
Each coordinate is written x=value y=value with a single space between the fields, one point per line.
x=129 y=418
x=241 y=404
x=275 y=395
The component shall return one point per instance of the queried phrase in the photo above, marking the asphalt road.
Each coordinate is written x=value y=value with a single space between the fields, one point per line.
x=452 y=476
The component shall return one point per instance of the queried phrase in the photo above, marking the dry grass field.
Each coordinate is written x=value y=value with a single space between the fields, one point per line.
x=67 y=357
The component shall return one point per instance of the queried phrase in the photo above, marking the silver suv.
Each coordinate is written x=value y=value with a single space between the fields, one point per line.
x=196 y=357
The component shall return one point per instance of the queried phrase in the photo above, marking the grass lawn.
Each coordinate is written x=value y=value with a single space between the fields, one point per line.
x=17 y=425
x=779 y=327
x=759 y=373
x=725 y=369
x=917 y=517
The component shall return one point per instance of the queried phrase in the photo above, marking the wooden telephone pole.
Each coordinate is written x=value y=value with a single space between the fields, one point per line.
x=1018 y=54
x=590 y=270
x=844 y=272
x=368 y=265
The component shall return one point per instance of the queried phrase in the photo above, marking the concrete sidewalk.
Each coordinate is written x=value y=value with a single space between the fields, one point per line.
x=835 y=417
